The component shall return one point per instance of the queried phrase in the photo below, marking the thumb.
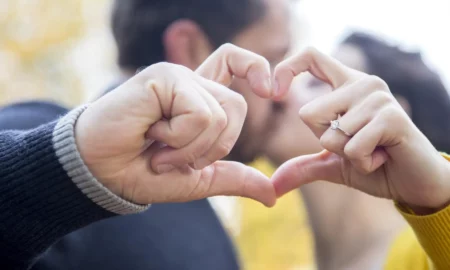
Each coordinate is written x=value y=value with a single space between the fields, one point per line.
x=306 y=169
x=236 y=179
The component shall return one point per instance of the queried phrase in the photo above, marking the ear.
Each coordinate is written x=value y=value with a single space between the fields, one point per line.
x=404 y=103
x=186 y=44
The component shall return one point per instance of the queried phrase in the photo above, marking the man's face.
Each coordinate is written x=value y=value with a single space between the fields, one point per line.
x=269 y=37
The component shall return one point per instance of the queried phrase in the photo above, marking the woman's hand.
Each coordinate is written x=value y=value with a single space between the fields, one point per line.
x=374 y=147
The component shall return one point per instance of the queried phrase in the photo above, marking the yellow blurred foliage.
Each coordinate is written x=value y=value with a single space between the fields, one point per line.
x=37 y=39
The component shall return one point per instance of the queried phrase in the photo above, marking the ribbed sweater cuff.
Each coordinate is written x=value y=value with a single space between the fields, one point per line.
x=433 y=233
x=70 y=159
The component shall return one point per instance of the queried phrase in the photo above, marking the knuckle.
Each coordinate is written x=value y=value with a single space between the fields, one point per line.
x=363 y=166
x=177 y=143
x=223 y=149
x=203 y=118
x=310 y=52
x=239 y=102
x=351 y=151
x=308 y=114
x=382 y=97
x=327 y=141
x=376 y=83
x=393 y=114
x=227 y=48
x=281 y=68
x=162 y=66
x=221 y=121
x=191 y=156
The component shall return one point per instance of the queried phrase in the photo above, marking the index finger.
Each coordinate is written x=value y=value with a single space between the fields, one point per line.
x=322 y=66
x=229 y=61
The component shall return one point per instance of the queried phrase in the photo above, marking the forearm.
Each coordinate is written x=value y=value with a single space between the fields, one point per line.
x=46 y=191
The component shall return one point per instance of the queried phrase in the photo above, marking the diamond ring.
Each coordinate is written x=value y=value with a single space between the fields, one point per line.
x=334 y=125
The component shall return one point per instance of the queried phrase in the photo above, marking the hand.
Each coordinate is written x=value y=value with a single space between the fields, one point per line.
x=139 y=139
x=385 y=154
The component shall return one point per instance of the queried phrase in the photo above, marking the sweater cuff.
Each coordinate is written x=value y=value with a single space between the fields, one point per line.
x=432 y=231
x=433 y=234
x=69 y=157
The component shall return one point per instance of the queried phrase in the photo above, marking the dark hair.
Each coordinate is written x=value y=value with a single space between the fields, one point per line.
x=138 y=25
x=408 y=76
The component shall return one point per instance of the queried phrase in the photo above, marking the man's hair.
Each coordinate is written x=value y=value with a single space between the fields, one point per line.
x=408 y=76
x=138 y=26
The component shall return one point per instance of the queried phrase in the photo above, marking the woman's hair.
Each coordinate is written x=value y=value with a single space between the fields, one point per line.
x=408 y=76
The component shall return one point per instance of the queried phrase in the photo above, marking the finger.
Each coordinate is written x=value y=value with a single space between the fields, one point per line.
x=306 y=169
x=323 y=67
x=200 y=145
x=230 y=60
x=235 y=179
x=235 y=108
x=318 y=113
x=190 y=115
x=353 y=121
x=365 y=150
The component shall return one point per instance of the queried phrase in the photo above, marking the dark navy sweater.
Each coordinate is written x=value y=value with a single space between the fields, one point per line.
x=166 y=236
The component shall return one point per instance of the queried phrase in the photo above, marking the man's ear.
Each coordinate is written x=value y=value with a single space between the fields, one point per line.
x=186 y=44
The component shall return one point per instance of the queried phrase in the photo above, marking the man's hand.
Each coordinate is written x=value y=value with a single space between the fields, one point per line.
x=158 y=136
x=376 y=149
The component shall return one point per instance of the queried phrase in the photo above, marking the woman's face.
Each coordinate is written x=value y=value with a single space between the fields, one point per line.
x=293 y=137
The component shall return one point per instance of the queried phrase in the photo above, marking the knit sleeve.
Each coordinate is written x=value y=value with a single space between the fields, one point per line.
x=46 y=191
x=426 y=245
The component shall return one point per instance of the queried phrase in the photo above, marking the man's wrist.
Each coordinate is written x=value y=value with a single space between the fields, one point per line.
x=67 y=151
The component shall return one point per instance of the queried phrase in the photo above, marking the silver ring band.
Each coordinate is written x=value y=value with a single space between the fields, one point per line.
x=334 y=125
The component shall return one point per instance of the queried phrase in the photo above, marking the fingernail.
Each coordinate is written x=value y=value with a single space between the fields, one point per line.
x=164 y=168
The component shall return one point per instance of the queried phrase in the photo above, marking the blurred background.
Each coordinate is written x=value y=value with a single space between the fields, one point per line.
x=62 y=51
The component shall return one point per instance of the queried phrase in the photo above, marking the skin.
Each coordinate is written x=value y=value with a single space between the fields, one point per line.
x=187 y=45
x=384 y=142
x=153 y=106
x=270 y=38
x=364 y=242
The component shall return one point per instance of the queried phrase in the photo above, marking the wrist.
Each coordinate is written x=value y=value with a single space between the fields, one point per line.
x=67 y=146
x=423 y=210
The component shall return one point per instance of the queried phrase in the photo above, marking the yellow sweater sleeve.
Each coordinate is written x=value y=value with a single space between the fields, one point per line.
x=426 y=245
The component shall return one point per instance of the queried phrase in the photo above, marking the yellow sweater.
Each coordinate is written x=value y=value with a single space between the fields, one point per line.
x=423 y=246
